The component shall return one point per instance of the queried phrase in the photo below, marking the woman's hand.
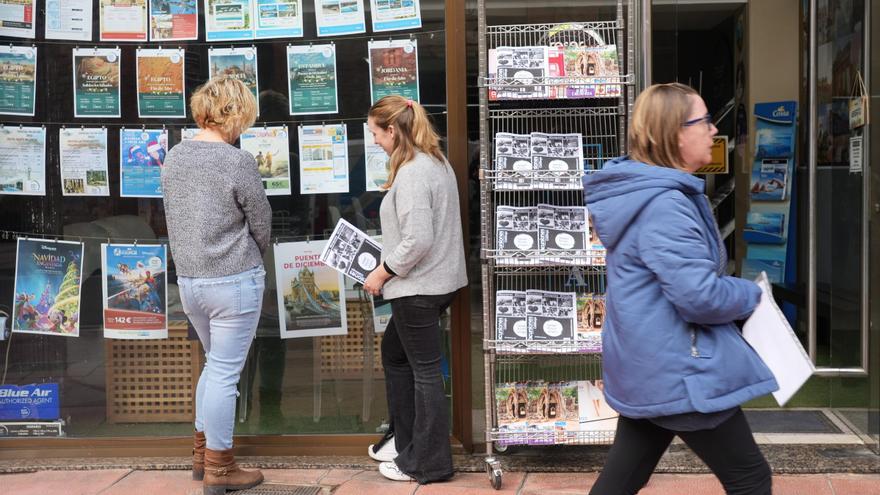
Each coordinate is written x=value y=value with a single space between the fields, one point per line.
x=376 y=279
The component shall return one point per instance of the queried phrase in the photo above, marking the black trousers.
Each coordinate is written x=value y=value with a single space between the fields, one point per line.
x=729 y=450
x=417 y=403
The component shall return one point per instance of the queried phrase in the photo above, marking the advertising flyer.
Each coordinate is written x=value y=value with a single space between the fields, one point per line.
x=336 y=17
x=141 y=157
x=590 y=320
x=23 y=161
x=17 y=18
x=513 y=161
x=47 y=287
x=394 y=69
x=311 y=74
x=227 y=20
x=173 y=20
x=270 y=147
x=33 y=402
x=189 y=133
x=240 y=63
x=510 y=315
x=69 y=20
x=18 y=75
x=279 y=19
x=311 y=295
x=123 y=21
x=518 y=72
x=96 y=82
x=351 y=252
x=375 y=162
x=160 y=83
x=83 y=156
x=135 y=288
x=323 y=159
x=394 y=15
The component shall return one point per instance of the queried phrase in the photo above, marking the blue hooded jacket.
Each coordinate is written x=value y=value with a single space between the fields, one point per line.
x=669 y=343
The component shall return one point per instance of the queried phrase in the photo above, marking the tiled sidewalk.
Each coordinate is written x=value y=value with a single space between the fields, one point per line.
x=367 y=482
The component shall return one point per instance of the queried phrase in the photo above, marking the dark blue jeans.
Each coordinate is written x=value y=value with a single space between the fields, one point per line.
x=414 y=387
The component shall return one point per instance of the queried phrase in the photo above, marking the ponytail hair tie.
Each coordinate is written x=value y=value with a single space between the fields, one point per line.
x=409 y=103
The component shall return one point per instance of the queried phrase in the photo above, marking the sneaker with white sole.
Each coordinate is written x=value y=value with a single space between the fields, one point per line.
x=392 y=472
x=385 y=452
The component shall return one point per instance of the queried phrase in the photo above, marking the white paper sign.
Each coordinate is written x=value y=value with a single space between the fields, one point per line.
x=855 y=154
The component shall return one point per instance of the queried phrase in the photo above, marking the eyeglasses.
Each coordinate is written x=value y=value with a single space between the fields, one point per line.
x=707 y=119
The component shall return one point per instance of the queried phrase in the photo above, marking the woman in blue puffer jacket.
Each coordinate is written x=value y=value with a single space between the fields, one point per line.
x=674 y=361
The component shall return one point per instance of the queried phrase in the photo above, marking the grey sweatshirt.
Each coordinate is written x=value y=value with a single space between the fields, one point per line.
x=219 y=220
x=421 y=230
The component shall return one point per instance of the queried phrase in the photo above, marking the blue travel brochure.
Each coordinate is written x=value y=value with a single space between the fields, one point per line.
x=765 y=228
x=770 y=179
x=775 y=129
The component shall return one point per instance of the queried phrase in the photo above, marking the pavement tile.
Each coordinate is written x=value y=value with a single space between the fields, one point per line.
x=855 y=485
x=339 y=476
x=812 y=484
x=294 y=476
x=677 y=484
x=66 y=482
x=164 y=482
x=473 y=484
x=558 y=483
x=362 y=486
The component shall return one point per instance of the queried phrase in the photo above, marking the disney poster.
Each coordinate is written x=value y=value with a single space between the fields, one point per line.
x=47 y=287
x=135 y=287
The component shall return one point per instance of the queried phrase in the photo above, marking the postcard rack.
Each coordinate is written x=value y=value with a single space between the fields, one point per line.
x=543 y=103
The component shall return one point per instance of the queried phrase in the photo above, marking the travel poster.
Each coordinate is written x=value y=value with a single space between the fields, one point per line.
x=123 y=20
x=23 y=160
x=135 y=288
x=47 y=287
x=375 y=162
x=278 y=19
x=311 y=295
x=83 y=156
x=270 y=147
x=142 y=156
x=69 y=20
x=18 y=75
x=173 y=20
x=160 y=83
x=96 y=82
x=227 y=20
x=311 y=74
x=240 y=63
x=336 y=17
x=323 y=159
x=394 y=69
x=17 y=18
x=188 y=133
x=394 y=15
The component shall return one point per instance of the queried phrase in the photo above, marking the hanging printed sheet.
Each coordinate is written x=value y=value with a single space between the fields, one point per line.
x=174 y=20
x=123 y=21
x=312 y=79
x=23 y=160
x=311 y=295
x=336 y=17
x=278 y=19
x=47 y=287
x=188 y=133
x=227 y=20
x=351 y=252
x=394 y=69
x=141 y=157
x=69 y=20
x=394 y=15
x=135 y=288
x=17 y=18
x=240 y=63
x=96 y=82
x=271 y=149
x=18 y=75
x=160 y=83
x=375 y=162
x=323 y=159
x=83 y=154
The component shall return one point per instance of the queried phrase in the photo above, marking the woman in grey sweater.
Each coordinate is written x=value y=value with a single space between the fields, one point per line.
x=423 y=266
x=219 y=223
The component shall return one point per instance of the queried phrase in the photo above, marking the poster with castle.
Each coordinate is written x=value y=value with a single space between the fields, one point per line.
x=47 y=287
x=311 y=295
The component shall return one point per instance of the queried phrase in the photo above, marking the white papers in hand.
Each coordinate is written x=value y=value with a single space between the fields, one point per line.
x=769 y=333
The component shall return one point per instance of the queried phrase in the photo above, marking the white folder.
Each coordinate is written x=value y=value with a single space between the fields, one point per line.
x=769 y=333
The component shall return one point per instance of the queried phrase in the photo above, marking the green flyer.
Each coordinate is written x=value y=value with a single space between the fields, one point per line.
x=18 y=70
x=311 y=74
x=160 y=83
x=96 y=82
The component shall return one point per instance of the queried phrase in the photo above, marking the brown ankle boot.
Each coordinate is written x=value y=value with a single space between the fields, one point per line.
x=198 y=455
x=222 y=473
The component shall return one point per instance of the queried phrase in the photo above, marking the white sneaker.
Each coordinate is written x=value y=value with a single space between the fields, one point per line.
x=386 y=453
x=391 y=471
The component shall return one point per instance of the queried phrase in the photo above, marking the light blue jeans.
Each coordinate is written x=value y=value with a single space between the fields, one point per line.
x=224 y=312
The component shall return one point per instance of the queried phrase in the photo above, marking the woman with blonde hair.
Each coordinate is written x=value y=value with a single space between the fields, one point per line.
x=422 y=268
x=219 y=222
x=674 y=361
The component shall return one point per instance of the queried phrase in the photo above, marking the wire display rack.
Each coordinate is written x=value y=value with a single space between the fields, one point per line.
x=557 y=366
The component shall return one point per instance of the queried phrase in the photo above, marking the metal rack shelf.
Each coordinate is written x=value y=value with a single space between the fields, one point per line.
x=551 y=437
x=538 y=347
x=540 y=258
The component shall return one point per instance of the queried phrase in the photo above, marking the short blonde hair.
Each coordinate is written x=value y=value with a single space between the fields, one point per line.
x=224 y=104
x=656 y=121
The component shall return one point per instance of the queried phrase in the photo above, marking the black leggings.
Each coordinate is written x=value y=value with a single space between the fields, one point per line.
x=729 y=450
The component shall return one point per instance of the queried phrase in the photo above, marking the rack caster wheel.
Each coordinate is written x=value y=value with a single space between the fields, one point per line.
x=499 y=448
x=493 y=470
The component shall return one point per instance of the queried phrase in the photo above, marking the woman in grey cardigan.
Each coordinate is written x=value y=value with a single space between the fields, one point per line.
x=422 y=267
